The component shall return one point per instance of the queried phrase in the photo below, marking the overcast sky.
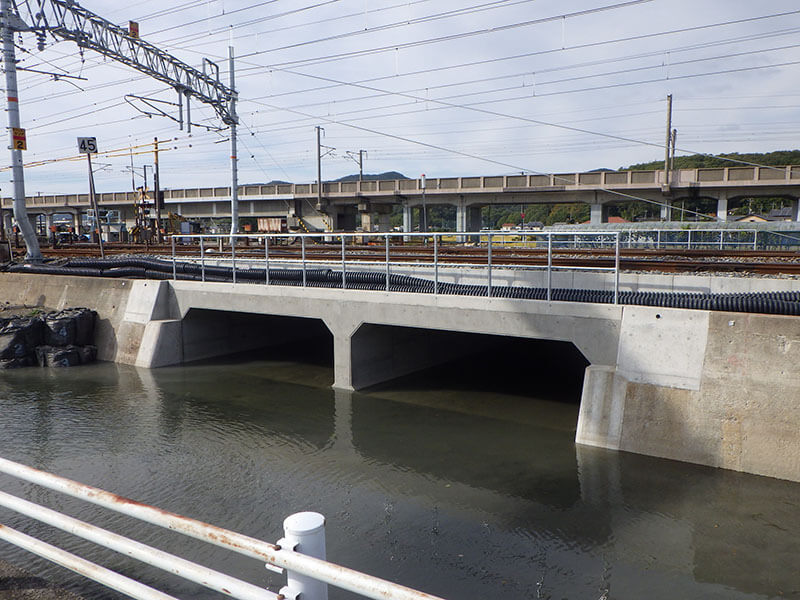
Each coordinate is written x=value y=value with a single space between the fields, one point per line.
x=442 y=87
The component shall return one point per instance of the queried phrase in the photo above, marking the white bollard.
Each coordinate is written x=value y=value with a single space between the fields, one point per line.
x=304 y=533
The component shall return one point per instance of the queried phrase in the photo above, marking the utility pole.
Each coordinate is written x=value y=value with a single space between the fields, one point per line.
x=361 y=164
x=9 y=23
x=319 y=167
x=156 y=190
x=424 y=224
x=234 y=120
x=674 y=141
x=667 y=144
x=93 y=200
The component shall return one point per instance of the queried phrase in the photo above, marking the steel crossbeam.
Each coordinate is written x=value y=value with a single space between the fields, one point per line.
x=67 y=20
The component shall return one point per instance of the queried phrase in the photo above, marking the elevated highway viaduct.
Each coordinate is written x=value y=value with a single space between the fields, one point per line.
x=374 y=200
x=713 y=388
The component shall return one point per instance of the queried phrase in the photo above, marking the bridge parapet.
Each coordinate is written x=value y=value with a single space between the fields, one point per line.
x=740 y=179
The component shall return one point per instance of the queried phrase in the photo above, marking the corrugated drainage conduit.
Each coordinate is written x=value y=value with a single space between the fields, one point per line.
x=778 y=303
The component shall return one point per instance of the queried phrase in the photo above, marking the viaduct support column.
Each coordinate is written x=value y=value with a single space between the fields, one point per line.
x=666 y=210
x=795 y=214
x=468 y=218
x=407 y=221
x=599 y=214
x=379 y=218
x=722 y=207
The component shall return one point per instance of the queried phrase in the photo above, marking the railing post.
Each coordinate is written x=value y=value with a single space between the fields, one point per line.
x=266 y=259
x=489 y=265
x=202 y=261
x=616 y=271
x=755 y=239
x=658 y=240
x=721 y=233
x=549 y=267
x=344 y=272
x=435 y=264
x=303 y=251
x=387 y=262
x=174 y=267
x=233 y=259
x=689 y=240
x=304 y=533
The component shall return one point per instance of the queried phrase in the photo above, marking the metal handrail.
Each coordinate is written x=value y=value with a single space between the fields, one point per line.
x=604 y=238
x=280 y=556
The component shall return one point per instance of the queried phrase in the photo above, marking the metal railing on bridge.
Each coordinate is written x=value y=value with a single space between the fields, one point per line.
x=348 y=248
x=300 y=553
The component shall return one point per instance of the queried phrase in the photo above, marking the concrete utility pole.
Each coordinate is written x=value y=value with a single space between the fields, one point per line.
x=234 y=162
x=9 y=24
x=157 y=190
x=319 y=167
x=667 y=144
x=93 y=199
x=674 y=141
x=424 y=220
x=361 y=164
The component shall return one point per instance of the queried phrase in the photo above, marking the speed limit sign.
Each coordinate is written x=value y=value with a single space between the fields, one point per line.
x=87 y=145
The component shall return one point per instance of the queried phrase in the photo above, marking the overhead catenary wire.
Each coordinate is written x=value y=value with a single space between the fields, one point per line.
x=258 y=128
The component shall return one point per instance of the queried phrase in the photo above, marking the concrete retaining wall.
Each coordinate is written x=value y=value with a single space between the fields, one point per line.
x=721 y=389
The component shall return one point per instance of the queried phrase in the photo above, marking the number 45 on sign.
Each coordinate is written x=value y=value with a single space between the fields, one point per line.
x=87 y=145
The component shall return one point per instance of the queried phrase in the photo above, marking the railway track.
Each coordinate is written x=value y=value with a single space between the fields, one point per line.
x=631 y=259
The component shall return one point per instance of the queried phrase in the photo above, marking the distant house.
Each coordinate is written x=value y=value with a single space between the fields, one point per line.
x=751 y=219
x=533 y=225
x=780 y=214
x=508 y=227
x=610 y=220
x=776 y=214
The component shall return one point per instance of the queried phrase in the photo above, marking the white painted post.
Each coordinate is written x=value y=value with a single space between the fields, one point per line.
x=174 y=269
x=266 y=258
x=344 y=271
x=303 y=249
x=233 y=258
x=489 y=265
x=616 y=269
x=435 y=264
x=202 y=261
x=304 y=533
x=549 y=267
x=387 y=262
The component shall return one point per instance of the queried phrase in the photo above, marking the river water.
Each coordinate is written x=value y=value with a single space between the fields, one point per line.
x=458 y=489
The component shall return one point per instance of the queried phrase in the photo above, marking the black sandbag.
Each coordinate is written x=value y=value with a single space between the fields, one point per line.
x=59 y=330
x=56 y=356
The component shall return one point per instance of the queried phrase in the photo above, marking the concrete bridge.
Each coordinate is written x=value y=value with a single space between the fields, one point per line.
x=713 y=388
x=374 y=200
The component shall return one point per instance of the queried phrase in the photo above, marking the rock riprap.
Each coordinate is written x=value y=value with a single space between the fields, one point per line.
x=61 y=338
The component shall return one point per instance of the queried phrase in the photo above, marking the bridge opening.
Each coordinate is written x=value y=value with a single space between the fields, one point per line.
x=386 y=357
x=245 y=336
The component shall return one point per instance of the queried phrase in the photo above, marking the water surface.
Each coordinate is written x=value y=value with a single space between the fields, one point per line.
x=454 y=488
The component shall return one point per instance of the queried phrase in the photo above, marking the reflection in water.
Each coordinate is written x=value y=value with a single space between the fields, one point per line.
x=465 y=494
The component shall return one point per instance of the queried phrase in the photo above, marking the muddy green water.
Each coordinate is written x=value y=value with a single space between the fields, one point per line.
x=450 y=487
